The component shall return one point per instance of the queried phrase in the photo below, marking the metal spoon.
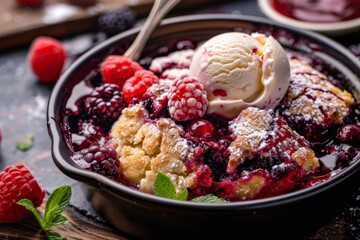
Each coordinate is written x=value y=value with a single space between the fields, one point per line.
x=158 y=11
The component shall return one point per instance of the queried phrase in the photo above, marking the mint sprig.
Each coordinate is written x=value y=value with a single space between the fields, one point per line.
x=164 y=187
x=55 y=205
x=26 y=143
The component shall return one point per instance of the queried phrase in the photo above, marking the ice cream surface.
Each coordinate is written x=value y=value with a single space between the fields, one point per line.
x=240 y=70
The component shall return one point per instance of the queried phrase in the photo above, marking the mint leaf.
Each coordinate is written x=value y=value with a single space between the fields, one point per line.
x=54 y=236
x=30 y=206
x=183 y=195
x=164 y=187
x=56 y=204
x=59 y=219
x=210 y=198
x=25 y=144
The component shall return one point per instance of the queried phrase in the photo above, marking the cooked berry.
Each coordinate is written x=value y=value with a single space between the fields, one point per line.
x=117 y=21
x=136 y=86
x=87 y=134
x=201 y=128
x=343 y=154
x=280 y=170
x=193 y=155
x=187 y=99
x=117 y=69
x=158 y=96
x=349 y=134
x=16 y=183
x=102 y=160
x=105 y=103
x=46 y=58
x=216 y=157
x=202 y=182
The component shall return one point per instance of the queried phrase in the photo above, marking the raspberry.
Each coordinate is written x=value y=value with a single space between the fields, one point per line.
x=118 y=69
x=105 y=103
x=30 y=3
x=102 y=160
x=46 y=58
x=16 y=183
x=136 y=86
x=187 y=99
x=116 y=21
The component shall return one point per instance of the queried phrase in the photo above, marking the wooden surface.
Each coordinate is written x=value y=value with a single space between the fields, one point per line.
x=58 y=18
x=19 y=25
x=23 y=103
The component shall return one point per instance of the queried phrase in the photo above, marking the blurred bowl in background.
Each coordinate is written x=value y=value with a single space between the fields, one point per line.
x=321 y=16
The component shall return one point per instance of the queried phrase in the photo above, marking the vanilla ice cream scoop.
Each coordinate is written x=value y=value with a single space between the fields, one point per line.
x=240 y=70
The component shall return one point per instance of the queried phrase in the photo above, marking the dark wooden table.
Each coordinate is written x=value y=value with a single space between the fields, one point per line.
x=23 y=103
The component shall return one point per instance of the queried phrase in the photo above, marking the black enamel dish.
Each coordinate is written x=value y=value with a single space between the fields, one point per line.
x=146 y=216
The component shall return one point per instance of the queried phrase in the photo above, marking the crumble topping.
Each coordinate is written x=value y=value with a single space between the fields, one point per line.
x=150 y=148
x=313 y=97
x=260 y=134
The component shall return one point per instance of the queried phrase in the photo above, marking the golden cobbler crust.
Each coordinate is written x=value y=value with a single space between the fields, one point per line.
x=311 y=95
x=145 y=148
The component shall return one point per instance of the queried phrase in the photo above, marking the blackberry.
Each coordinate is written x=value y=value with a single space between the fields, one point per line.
x=102 y=160
x=116 y=21
x=105 y=103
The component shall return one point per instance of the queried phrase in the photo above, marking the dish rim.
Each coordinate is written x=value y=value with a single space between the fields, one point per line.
x=331 y=29
x=103 y=183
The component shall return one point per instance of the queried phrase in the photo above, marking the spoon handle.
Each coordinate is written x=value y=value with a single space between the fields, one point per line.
x=158 y=11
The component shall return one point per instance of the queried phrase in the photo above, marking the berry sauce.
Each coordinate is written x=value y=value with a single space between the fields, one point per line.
x=320 y=11
x=86 y=128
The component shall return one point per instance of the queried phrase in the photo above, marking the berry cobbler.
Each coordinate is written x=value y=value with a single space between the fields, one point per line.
x=236 y=116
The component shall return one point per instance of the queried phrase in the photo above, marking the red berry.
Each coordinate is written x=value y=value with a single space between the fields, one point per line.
x=31 y=3
x=118 y=69
x=136 y=86
x=187 y=99
x=349 y=133
x=201 y=128
x=16 y=183
x=46 y=58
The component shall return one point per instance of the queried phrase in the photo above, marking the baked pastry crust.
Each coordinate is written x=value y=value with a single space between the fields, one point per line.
x=145 y=148
x=313 y=100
